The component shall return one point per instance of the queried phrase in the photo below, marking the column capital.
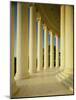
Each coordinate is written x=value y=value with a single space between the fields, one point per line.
x=38 y=17
x=62 y=6
x=31 y=4
x=50 y=31
x=56 y=34
x=26 y=4
x=44 y=26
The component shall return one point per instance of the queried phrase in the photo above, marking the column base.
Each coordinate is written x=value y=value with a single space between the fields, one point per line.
x=32 y=71
x=45 y=68
x=51 y=67
x=39 y=69
x=57 y=66
x=61 y=68
x=13 y=88
x=22 y=76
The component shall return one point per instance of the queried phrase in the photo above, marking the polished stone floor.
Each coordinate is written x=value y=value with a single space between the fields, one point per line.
x=42 y=83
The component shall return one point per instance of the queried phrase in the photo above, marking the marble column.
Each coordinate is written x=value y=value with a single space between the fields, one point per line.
x=67 y=75
x=12 y=82
x=69 y=31
x=69 y=48
x=39 y=67
x=62 y=35
x=22 y=41
x=52 y=50
x=32 y=40
x=45 y=47
x=57 y=51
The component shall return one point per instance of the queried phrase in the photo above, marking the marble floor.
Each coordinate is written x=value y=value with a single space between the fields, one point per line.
x=42 y=83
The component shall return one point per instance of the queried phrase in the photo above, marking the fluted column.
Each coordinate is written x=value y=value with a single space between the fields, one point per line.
x=57 y=51
x=45 y=47
x=22 y=41
x=32 y=40
x=52 y=50
x=13 y=82
x=62 y=42
x=39 y=67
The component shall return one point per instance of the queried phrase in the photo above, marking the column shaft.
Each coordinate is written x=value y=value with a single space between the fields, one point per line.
x=32 y=40
x=45 y=47
x=69 y=38
x=12 y=82
x=62 y=31
x=57 y=51
x=52 y=51
x=39 y=45
x=22 y=41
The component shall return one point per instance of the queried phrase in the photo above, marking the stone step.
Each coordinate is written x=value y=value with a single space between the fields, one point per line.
x=68 y=82
x=68 y=78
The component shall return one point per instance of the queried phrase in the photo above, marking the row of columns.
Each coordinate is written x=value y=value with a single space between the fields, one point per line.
x=23 y=51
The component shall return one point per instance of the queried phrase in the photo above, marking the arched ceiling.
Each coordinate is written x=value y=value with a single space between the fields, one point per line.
x=50 y=14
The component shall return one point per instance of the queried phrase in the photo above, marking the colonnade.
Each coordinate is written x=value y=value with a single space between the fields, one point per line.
x=25 y=49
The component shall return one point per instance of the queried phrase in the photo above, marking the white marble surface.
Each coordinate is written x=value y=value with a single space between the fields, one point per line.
x=42 y=83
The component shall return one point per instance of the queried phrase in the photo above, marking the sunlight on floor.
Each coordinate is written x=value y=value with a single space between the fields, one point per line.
x=42 y=83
